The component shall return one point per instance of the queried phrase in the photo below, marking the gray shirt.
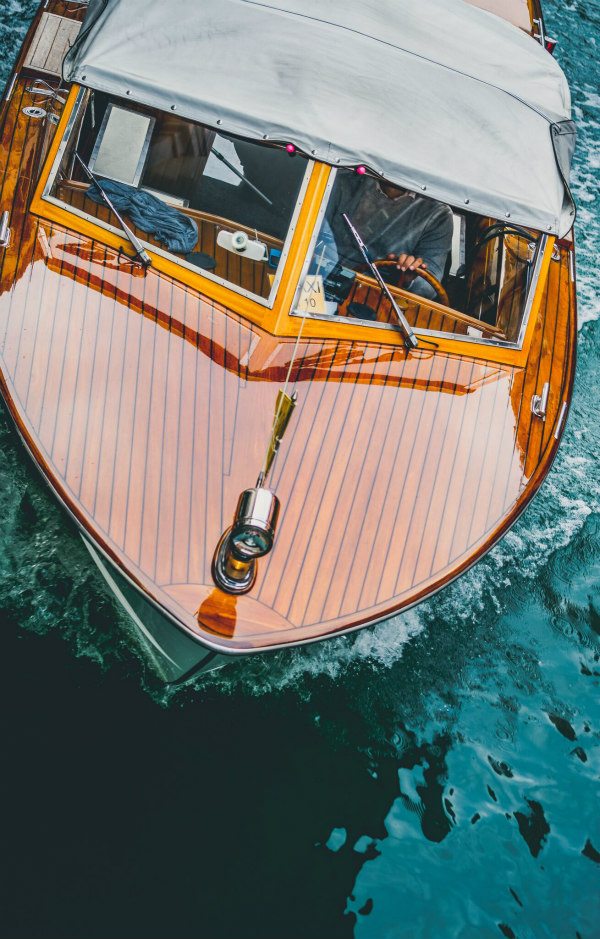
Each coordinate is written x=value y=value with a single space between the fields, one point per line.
x=410 y=224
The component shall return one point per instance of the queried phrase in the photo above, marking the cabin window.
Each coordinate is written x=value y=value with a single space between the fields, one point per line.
x=476 y=277
x=217 y=203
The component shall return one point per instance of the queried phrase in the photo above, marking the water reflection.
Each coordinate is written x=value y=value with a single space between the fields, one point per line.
x=492 y=824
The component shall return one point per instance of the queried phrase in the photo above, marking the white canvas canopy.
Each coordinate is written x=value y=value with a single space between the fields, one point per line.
x=435 y=95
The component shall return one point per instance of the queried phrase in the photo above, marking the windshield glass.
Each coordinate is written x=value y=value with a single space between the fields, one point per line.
x=220 y=204
x=449 y=272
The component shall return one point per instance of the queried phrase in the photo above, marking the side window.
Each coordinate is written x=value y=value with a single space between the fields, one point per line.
x=216 y=202
x=449 y=272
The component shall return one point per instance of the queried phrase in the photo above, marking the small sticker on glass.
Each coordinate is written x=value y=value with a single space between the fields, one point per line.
x=312 y=296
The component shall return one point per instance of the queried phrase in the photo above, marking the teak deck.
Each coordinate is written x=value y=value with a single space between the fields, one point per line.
x=148 y=407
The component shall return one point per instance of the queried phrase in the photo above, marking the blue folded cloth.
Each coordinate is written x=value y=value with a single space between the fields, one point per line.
x=176 y=231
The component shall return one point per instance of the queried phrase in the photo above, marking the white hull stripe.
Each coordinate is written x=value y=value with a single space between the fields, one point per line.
x=125 y=603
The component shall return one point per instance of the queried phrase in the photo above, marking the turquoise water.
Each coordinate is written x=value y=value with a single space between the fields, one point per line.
x=434 y=777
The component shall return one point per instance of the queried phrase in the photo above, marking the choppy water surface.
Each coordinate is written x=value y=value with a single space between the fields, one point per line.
x=434 y=777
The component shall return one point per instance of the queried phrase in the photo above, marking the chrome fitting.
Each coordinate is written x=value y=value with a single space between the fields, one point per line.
x=250 y=537
x=4 y=230
x=539 y=403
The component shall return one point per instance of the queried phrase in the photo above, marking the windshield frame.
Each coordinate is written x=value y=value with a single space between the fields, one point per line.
x=517 y=345
x=81 y=100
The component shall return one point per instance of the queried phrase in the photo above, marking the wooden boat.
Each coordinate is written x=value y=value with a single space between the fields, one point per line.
x=153 y=395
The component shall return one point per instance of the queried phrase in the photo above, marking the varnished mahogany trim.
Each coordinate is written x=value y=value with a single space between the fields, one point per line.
x=252 y=307
x=278 y=321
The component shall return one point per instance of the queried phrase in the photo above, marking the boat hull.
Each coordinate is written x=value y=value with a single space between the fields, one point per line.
x=175 y=656
x=146 y=399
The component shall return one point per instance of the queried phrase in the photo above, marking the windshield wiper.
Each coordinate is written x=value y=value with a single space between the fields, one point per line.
x=241 y=176
x=410 y=340
x=140 y=251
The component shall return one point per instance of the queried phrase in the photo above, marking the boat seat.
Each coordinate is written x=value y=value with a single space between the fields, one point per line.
x=513 y=291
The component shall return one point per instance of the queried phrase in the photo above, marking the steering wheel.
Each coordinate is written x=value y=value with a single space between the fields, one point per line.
x=425 y=274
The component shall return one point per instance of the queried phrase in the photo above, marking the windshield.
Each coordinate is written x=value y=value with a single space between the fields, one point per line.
x=218 y=203
x=447 y=272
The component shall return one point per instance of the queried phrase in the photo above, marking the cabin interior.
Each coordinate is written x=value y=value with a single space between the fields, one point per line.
x=243 y=199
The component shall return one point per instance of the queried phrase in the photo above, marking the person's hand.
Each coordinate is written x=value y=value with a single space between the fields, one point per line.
x=408 y=263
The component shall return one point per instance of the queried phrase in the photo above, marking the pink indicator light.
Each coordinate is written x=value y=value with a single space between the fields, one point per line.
x=361 y=170
x=290 y=148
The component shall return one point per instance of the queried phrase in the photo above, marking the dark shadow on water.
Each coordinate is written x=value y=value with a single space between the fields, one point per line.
x=126 y=819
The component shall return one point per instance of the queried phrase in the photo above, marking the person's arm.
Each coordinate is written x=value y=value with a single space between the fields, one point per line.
x=434 y=247
x=430 y=251
x=436 y=242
